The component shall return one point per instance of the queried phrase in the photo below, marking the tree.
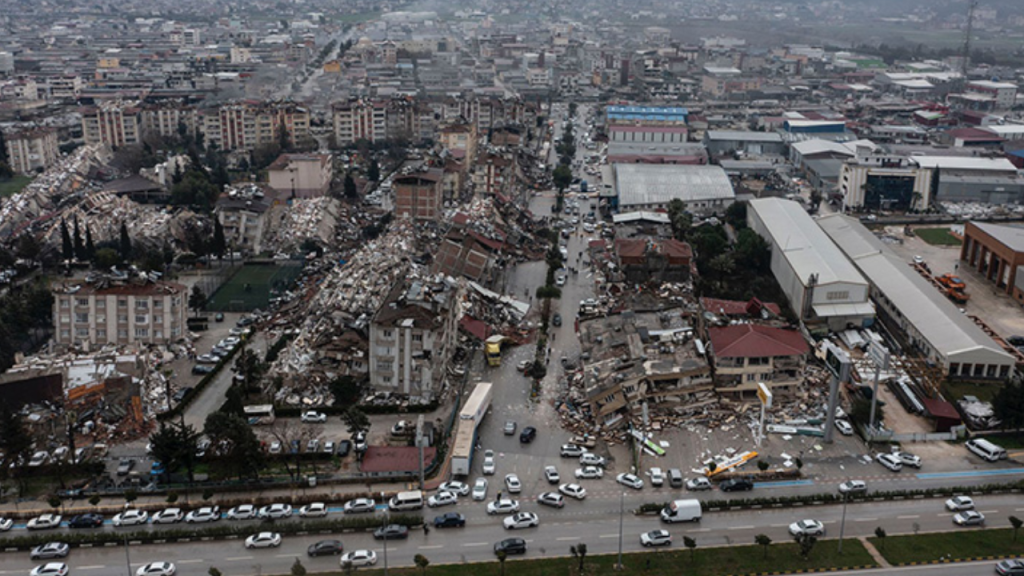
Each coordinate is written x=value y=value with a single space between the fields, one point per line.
x=130 y=496
x=762 y=465
x=172 y=497
x=15 y=443
x=355 y=419
x=166 y=448
x=373 y=172
x=579 y=552
x=250 y=368
x=1016 y=523
x=298 y=569
x=764 y=541
x=90 y=248
x=421 y=562
x=350 y=186
x=753 y=253
x=54 y=502
x=345 y=389
x=214 y=572
x=67 y=247
x=239 y=450
x=880 y=534
x=690 y=543
x=736 y=215
x=1008 y=404
x=79 y=245
x=562 y=177
x=219 y=244
x=196 y=299
x=806 y=543
x=125 y=243
x=94 y=500
x=106 y=258
x=712 y=466
x=680 y=220
x=860 y=411
x=502 y=556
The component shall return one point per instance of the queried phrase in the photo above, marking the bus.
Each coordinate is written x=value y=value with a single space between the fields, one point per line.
x=259 y=414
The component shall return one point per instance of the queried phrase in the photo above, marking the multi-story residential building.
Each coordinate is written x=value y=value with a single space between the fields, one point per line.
x=301 y=175
x=241 y=214
x=359 y=119
x=988 y=95
x=745 y=354
x=118 y=310
x=247 y=124
x=32 y=149
x=460 y=138
x=167 y=120
x=419 y=195
x=116 y=123
x=65 y=86
x=412 y=335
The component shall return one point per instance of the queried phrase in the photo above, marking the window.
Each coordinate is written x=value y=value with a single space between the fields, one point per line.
x=838 y=295
x=142 y=304
x=81 y=332
x=65 y=334
x=141 y=319
x=101 y=303
x=158 y=304
x=142 y=332
x=417 y=337
x=387 y=333
x=122 y=333
x=122 y=302
x=122 y=318
x=384 y=366
x=82 y=302
x=65 y=319
x=158 y=333
x=65 y=303
x=101 y=334
x=82 y=317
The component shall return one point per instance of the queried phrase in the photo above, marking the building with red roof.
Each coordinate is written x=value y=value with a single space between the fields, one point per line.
x=745 y=354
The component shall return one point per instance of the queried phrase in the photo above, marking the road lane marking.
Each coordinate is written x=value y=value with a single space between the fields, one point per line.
x=434 y=547
x=779 y=525
x=567 y=538
x=740 y=528
x=608 y=536
x=236 y=558
x=475 y=544
x=92 y=567
x=990 y=511
x=699 y=530
x=865 y=519
x=198 y=560
x=911 y=517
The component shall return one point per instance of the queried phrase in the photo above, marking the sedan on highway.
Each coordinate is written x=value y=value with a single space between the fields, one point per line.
x=275 y=511
x=1010 y=568
x=50 y=550
x=360 y=505
x=86 y=521
x=44 y=522
x=959 y=503
x=807 y=528
x=735 y=484
x=325 y=548
x=242 y=512
x=853 y=487
x=458 y=488
x=391 y=532
x=521 y=520
x=358 y=558
x=450 y=520
x=442 y=499
x=512 y=484
x=50 y=569
x=480 y=489
x=589 y=472
x=969 y=518
x=156 y=569
x=573 y=491
x=551 y=475
x=553 y=499
x=203 y=515
x=263 y=540
x=168 y=516
x=503 y=506
x=698 y=483
x=511 y=546
x=630 y=481
x=655 y=538
x=130 y=518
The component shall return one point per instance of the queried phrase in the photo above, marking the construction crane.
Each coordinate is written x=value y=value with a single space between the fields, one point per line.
x=965 y=52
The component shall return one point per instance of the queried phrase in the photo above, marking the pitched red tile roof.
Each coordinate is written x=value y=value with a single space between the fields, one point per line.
x=755 y=341
x=738 y=307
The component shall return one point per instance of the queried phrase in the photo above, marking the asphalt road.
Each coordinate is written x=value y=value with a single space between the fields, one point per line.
x=594 y=521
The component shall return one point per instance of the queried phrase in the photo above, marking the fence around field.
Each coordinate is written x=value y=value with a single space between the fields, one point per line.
x=252 y=285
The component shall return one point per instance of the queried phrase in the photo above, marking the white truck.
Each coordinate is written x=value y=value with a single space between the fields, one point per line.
x=473 y=411
x=681 y=511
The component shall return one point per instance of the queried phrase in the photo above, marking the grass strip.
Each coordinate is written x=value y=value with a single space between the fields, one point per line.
x=954 y=545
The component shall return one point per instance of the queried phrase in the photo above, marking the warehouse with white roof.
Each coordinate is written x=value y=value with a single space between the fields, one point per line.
x=822 y=286
x=704 y=190
x=928 y=321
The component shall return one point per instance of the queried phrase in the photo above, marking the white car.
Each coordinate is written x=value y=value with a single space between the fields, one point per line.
x=39 y=459
x=44 y=522
x=358 y=558
x=61 y=454
x=50 y=569
x=313 y=510
x=314 y=417
x=512 y=484
x=889 y=461
x=168 y=516
x=130 y=518
x=503 y=506
x=263 y=540
x=571 y=451
x=844 y=427
x=698 y=483
x=204 y=514
x=480 y=489
x=909 y=459
x=457 y=488
x=573 y=491
x=521 y=520
x=360 y=505
x=969 y=518
x=553 y=499
x=50 y=550
x=242 y=512
x=853 y=487
x=156 y=569
x=591 y=459
x=6 y=524
x=329 y=447
x=275 y=511
x=655 y=538
x=489 y=465
x=590 y=472
x=657 y=476
x=630 y=481
x=442 y=499
x=551 y=475
x=959 y=503
x=807 y=528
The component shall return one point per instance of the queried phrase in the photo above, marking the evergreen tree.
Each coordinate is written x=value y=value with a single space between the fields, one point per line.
x=67 y=248
x=125 y=246
x=90 y=248
x=373 y=174
x=3 y=149
x=78 y=245
x=219 y=243
x=350 y=187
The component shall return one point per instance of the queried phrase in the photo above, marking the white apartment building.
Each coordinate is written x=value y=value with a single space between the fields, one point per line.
x=29 y=150
x=118 y=311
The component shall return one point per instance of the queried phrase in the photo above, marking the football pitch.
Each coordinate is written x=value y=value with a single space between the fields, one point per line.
x=251 y=287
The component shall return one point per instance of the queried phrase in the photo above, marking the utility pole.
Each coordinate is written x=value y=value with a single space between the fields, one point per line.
x=622 y=503
x=838 y=364
x=384 y=520
x=880 y=356
x=842 y=524
x=966 y=50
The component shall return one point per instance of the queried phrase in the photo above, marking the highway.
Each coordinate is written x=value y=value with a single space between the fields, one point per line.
x=594 y=521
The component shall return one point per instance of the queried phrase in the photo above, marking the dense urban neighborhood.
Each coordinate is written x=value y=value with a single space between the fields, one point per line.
x=411 y=287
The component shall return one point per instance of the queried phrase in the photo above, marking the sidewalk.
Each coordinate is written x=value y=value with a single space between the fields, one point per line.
x=874 y=552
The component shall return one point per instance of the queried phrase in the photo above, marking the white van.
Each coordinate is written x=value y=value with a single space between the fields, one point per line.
x=986 y=449
x=681 y=511
x=411 y=500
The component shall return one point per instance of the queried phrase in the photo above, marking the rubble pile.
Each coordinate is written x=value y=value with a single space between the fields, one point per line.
x=972 y=210
x=103 y=213
x=314 y=218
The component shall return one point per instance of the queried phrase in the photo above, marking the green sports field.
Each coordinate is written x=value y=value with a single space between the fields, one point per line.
x=251 y=287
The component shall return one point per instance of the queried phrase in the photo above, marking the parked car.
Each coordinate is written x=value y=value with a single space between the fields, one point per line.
x=450 y=520
x=50 y=550
x=959 y=503
x=807 y=528
x=325 y=548
x=40 y=458
x=275 y=511
x=969 y=518
x=573 y=490
x=503 y=506
x=313 y=417
x=202 y=515
x=655 y=538
x=344 y=447
x=736 y=484
x=156 y=569
x=202 y=369
x=313 y=510
x=521 y=520
x=511 y=546
x=556 y=319
x=1010 y=568
x=391 y=532
x=591 y=459
x=853 y=487
x=130 y=518
x=44 y=522
x=510 y=427
x=263 y=540
x=889 y=461
x=512 y=484
x=358 y=558
x=553 y=499
x=489 y=465
x=242 y=512
x=630 y=481
x=844 y=427
x=168 y=516
x=442 y=499
x=698 y=483
x=589 y=472
x=571 y=451
x=86 y=521
x=7 y=523
x=551 y=475
x=455 y=487
x=527 y=435
x=50 y=569
x=909 y=459
x=480 y=489
x=360 y=505
x=125 y=466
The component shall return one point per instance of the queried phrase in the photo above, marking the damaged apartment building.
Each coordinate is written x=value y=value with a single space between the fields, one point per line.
x=412 y=335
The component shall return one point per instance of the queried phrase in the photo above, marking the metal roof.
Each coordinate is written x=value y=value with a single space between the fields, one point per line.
x=644 y=184
x=937 y=320
x=748 y=136
x=1011 y=236
x=965 y=163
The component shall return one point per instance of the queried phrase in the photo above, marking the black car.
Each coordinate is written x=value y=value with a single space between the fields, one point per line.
x=181 y=394
x=86 y=521
x=736 y=484
x=325 y=548
x=450 y=520
x=556 y=320
x=219 y=317
x=511 y=546
x=344 y=447
x=201 y=369
x=527 y=435
x=391 y=532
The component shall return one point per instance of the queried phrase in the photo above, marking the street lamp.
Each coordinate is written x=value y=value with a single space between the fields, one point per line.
x=842 y=524
x=384 y=527
x=622 y=504
x=127 y=559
